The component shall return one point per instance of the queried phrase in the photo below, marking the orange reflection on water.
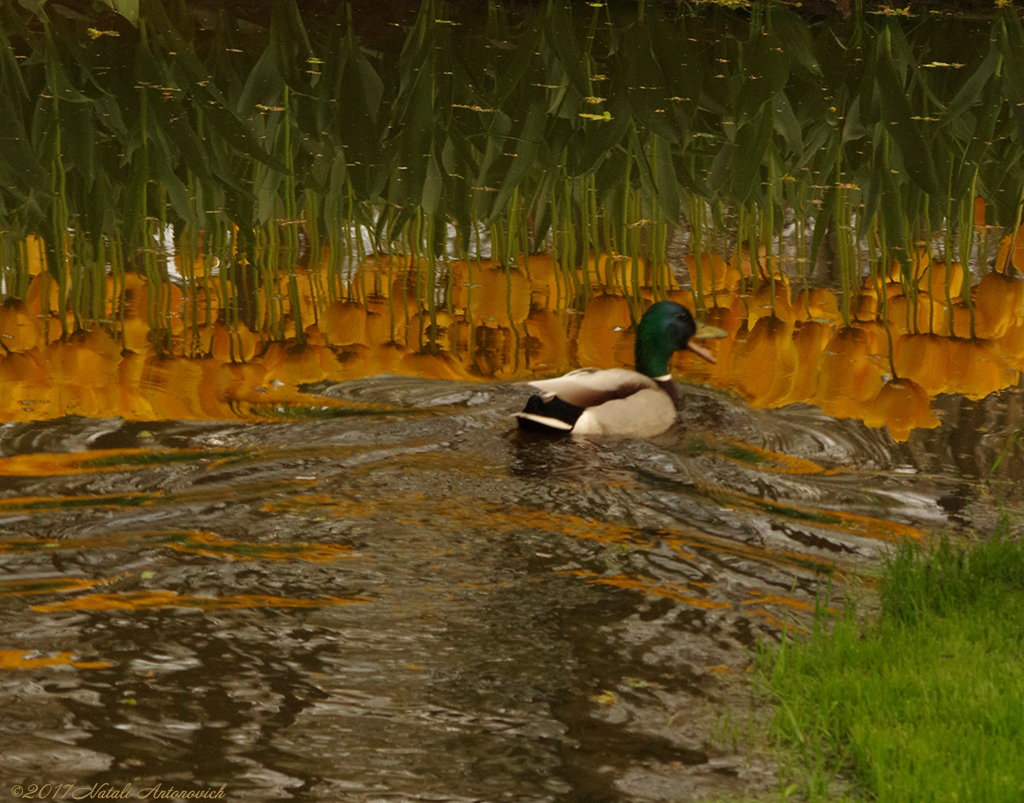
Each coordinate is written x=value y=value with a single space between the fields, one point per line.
x=333 y=505
x=30 y=504
x=774 y=621
x=504 y=519
x=162 y=600
x=17 y=659
x=648 y=586
x=196 y=542
x=47 y=585
x=212 y=545
x=788 y=602
x=768 y=460
x=170 y=352
x=51 y=464
x=838 y=520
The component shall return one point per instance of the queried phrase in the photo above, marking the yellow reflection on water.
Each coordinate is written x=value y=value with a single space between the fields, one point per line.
x=19 y=659
x=212 y=545
x=196 y=542
x=51 y=464
x=162 y=600
x=46 y=585
x=650 y=587
x=199 y=349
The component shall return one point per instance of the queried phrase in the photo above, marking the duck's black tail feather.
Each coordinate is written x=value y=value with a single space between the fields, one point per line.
x=553 y=415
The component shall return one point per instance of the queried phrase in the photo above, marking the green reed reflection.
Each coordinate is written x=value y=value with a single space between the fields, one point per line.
x=502 y=126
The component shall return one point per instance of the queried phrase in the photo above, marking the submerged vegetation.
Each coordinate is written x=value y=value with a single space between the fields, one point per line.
x=921 y=702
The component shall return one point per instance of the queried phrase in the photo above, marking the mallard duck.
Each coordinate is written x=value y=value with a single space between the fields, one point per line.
x=615 y=401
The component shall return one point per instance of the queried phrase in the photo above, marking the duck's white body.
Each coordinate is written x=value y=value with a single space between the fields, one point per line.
x=615 y=401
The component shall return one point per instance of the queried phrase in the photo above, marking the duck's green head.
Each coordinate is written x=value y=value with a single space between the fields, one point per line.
x=666 y=327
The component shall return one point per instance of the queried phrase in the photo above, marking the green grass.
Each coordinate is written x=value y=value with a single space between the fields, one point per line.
x=925 y=702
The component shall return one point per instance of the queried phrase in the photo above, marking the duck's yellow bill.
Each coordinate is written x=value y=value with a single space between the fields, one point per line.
x=704 y=333
x=708 y=332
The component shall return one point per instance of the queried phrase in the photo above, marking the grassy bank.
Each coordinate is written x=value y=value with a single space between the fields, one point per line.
x=925 y=701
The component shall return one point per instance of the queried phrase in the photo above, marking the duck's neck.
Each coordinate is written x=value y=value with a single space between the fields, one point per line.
x=651 y=356
x=667 y=384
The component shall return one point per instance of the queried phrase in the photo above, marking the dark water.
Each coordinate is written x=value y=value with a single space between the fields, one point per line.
x=418 y=602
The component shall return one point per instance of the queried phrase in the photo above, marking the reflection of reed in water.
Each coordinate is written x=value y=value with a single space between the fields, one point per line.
x=495 y=322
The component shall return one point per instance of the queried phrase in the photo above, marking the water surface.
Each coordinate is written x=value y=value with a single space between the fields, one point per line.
x=419 y=600
x=265 y=519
